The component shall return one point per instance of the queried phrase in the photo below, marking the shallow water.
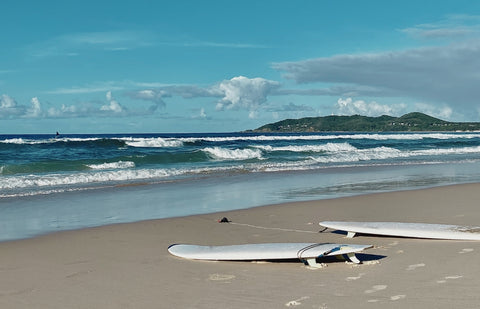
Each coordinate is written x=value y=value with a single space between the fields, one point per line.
x=27 y=216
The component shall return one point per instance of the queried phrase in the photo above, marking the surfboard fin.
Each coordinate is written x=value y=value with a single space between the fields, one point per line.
x=353 y=258
x=313 y=263
x=351 y=234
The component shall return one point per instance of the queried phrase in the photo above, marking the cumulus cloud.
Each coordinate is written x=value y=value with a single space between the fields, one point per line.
x=446 y=74
x=238 y=93
x=35 y=110
x=113 y=105
x=244 y=93
x=88 y=109
x=7 y=102
x=200 y=114
x=359 y=107
x=82 y=109
x=442 y=112
x=10 y=108
x=350 y=106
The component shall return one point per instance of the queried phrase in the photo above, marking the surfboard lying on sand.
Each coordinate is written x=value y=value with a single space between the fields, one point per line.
x=401 y=229
x=306 y=252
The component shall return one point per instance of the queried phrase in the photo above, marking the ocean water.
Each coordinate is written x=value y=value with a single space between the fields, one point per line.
x=50 y=183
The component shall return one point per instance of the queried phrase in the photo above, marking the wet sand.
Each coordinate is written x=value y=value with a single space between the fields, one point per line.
x=128 y=265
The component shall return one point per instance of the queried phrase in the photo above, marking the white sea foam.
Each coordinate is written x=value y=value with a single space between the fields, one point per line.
x=330 y=154
x=156 y=142
x=233 y=154
x=52 y=180
x=356 y=155
x=371 y=136
x=26 y=141
x=112 y=165
x=13 y=141
x=329 y=147
x=75 y=139
x=447 y=151
x=98 y=177
x=382 y=153
x=178 y=142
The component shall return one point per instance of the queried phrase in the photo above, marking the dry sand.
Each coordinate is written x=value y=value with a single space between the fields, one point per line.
x=128 y=265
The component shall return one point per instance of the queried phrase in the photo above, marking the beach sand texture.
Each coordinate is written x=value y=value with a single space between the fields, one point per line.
x=128 y=265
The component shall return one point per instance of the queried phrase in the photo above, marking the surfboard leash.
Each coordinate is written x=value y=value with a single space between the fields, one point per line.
x=301 y=251
x=273 y=228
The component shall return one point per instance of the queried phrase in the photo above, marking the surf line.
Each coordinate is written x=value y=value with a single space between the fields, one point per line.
x=273 y=228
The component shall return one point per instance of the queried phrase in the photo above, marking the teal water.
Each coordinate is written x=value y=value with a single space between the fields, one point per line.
x=49 y=184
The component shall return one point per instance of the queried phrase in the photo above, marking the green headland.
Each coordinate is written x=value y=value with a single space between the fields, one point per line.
x=412 y=122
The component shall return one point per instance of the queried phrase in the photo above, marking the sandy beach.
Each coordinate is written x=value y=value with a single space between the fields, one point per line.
x=128 y=265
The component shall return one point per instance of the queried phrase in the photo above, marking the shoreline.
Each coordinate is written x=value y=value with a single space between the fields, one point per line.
x=101 y=191
x=127 y=265
x=30 y=216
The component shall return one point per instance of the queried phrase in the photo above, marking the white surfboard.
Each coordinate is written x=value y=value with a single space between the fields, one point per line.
x=402 y=229
x=306 y=252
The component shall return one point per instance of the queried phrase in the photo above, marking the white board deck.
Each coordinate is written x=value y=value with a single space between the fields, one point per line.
x=267 y=251
x=402 y=229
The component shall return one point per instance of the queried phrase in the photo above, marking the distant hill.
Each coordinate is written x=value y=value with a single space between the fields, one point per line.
x=408 y=122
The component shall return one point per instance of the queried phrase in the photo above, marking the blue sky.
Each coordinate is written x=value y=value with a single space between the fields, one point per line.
x=223 y=66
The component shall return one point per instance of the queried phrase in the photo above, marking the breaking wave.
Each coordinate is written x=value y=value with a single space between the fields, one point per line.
x=113 y=165
x=34 y=163
x=233 y=154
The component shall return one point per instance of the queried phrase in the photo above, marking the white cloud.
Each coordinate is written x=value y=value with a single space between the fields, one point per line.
x=244 y=93
x=9 y=107
x=113 y=105
x=349 y=106
x=443 y=112
x=7 y=102
x=35 y=110
x=238 y=93
x=202 y=113
x=108 y=96
x=253 y=114
x=149 y=95
x=72 y=109
x=359 y=107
